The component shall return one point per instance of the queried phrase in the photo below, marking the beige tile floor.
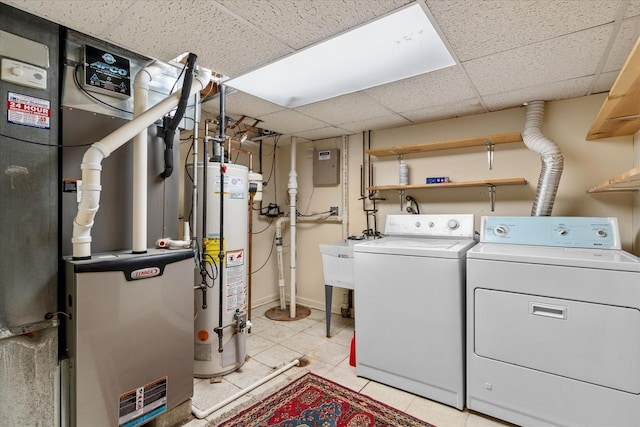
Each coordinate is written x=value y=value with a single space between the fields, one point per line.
x=273 y=344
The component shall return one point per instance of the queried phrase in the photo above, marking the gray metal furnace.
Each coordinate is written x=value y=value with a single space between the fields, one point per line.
x=130 y=336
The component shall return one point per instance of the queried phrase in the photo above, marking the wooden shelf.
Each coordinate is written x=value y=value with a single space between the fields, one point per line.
x=480 y=183
x=628 y=181
x=475 y=141
x=620 y=112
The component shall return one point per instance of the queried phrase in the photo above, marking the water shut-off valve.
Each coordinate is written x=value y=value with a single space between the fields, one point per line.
x=241 y=321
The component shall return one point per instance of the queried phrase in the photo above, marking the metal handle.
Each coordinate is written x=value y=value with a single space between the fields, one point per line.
x=547 y=310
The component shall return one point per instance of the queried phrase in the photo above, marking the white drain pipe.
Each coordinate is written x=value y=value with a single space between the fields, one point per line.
x=92 y=163
x=293 y=192
x=140 y=155
x=551 y=157
x=198 y=413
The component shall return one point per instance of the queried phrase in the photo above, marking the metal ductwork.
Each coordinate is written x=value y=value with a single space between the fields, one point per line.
x=552 y=160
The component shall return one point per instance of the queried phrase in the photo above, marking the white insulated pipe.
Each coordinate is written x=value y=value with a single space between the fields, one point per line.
x=551 y=157
x=140 y=156
x=293 y=192
x=198 y=413
x=279 y=256
x=279 y=223
x=92 y=164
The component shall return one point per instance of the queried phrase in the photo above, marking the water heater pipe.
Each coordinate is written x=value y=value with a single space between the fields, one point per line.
x=293 y=192
x=140 y=155
x=551 y=157
x=219 y=330
x=198 y=413
x=92 y=164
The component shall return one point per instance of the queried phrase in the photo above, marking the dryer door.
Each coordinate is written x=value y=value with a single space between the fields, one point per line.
x=595 y=343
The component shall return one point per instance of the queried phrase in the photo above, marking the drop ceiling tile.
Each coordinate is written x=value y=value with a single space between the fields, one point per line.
x=549 y=61
x=437 y=88
x=476 y=29
x=605 y=82
x=239 y=103
x=289 y=122
x=223 y=43
x=463 y=108
x=322 y=133
x=633 y=9
x=625 y=40
x=300 y=23
x=560 y=90
x=356 y=106
x=76 y=15
x=386 y=122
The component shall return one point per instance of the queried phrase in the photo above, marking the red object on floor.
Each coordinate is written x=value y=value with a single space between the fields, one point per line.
x=352 y=352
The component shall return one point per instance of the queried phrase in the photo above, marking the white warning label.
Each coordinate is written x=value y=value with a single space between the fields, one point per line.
x=236 y=285
x=28 y=111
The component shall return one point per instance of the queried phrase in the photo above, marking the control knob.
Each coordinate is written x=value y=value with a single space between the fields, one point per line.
x=453 y=224
x=601 y=233
x=501 y=230
x=563 y=231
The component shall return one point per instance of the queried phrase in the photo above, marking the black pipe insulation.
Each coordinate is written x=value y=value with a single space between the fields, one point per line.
x=219 y=330
x=170 y=128
x=203 y=259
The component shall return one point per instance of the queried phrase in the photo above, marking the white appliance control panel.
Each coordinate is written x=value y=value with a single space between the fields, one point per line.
x=576 y=232
x=436 y=225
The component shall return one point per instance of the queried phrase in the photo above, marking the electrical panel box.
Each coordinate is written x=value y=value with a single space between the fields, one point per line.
x=326 y=167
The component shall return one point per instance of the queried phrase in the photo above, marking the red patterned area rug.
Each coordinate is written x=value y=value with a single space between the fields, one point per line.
x=313 y=401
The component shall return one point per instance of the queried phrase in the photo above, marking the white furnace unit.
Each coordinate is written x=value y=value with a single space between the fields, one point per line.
x=129 y=337
x=409 y=305
x=554 y=323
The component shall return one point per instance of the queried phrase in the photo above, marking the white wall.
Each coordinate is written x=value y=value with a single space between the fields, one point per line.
x=586 y=164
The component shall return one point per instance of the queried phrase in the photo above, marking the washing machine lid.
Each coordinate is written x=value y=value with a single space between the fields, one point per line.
x=607 y=259
x=427 y=247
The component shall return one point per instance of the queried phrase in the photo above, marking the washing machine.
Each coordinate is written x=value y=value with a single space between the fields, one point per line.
x=553 y=321
x=410 y=305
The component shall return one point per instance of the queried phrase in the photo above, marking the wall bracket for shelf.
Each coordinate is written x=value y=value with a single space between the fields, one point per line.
x=492 y=196
x=401 y=194
x=490 y=148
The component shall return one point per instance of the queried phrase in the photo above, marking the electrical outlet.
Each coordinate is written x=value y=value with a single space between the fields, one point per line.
x=333 y=211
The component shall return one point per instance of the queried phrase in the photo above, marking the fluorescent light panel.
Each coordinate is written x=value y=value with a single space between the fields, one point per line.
x=397 y=46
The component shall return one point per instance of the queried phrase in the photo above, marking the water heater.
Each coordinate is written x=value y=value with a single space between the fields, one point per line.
x=219 y=329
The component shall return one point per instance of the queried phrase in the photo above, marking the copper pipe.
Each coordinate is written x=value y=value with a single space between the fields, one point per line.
x=240 y=150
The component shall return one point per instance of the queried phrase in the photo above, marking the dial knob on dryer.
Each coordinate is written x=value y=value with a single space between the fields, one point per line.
x=601 y=233
x=453 y=224
x=563 y=231
x=501 y=230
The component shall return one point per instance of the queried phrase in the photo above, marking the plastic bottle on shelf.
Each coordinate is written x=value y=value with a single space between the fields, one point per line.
x=404 y=173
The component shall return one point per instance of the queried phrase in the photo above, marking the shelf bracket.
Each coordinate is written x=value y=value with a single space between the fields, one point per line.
x=490 y=148
x=401 y=194
x=492 y=196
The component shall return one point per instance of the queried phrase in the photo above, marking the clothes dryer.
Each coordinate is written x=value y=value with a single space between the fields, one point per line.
x=553 y=321
x=409 y=305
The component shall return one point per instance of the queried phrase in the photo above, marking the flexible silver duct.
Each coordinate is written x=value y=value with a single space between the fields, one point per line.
x=552 y=160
